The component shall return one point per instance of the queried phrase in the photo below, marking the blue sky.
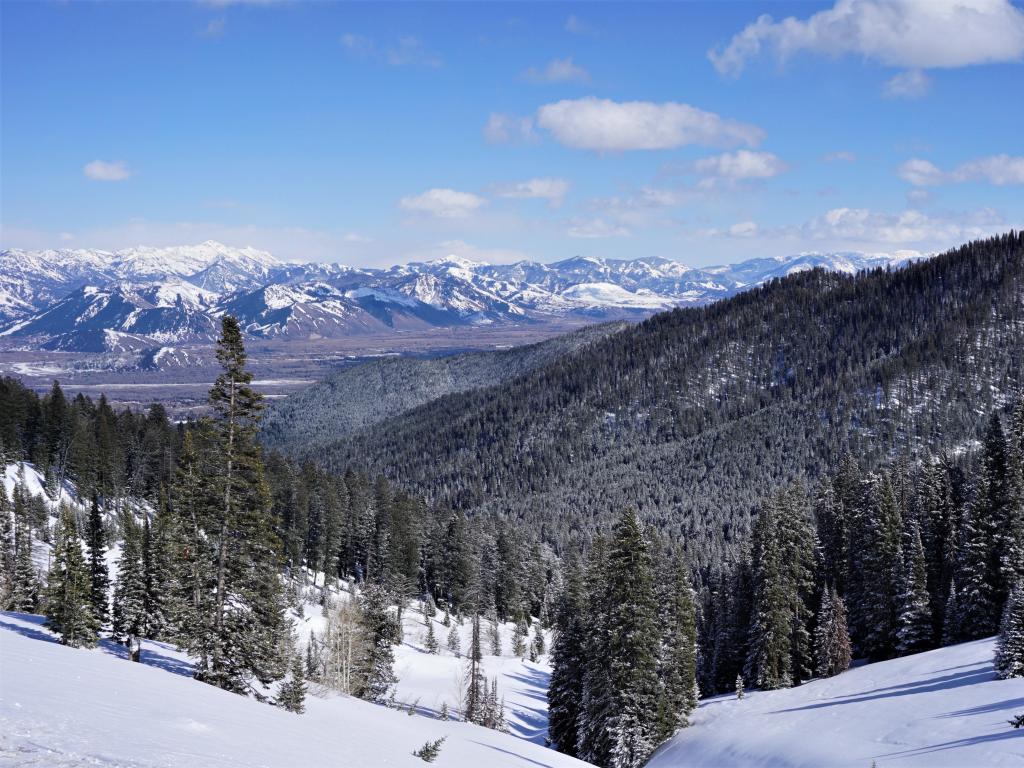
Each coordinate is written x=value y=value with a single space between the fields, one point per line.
x=378 y=133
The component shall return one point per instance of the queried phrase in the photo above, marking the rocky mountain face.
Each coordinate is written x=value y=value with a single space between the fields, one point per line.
x=138 y=298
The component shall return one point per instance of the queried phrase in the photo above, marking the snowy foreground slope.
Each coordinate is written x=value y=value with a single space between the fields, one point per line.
x=940 y=708
x=70 y=707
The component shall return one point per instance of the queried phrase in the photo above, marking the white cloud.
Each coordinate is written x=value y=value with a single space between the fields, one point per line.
x=408 y=50
x=912 y=84
x=558 y=71
x=594 y=229
x=742 y=164
x=552 y=190
x=576 y=26
x=743 y=229
x=604 y=125
x=215 y=28
x=914 y=34
x=443 y=203
x=861 y=225
x=357 y=45
x=502 y=128
x=999 y=170
x=103 y=170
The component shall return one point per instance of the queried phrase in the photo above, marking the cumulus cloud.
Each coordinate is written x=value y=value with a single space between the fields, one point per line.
x=604 y=125
x=913 y=34
x=552 y=190
x=502 y=128
x=443 y=203
x=862 y=225
x=912 y=84
x=592 y=229
x=103 y=170
x=742 y=164
x=558 y=71
x=999 y=170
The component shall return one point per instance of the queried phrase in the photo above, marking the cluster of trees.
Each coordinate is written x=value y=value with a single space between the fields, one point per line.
x=690 y=415
x=624 y=657
x=878 y=564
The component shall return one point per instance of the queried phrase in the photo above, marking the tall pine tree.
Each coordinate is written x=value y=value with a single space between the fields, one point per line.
x=69 y=611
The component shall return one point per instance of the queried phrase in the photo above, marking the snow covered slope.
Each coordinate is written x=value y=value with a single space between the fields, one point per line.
x=940 y=708
x=64 y=707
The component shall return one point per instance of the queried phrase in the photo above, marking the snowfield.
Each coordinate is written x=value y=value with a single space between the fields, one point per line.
x=940 y=708
x=70 y=707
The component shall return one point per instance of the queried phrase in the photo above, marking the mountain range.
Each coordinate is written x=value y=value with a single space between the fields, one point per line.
x=138 y=299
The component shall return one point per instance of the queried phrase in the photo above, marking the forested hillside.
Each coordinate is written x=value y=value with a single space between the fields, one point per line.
x=693 y=415
x=363 y=395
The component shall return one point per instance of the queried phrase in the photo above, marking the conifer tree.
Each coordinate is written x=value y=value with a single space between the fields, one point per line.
x=769 y=662
x=988 y=560
x=247 y=605
x=597 y=707
x=881 y=561
x=25 y=582
x=677 y=665
x=832 y=650
x=537 y=647
x=129 y=613
x=377 y=665
x=164 y=589
x=1009 y=657
x=292 y=695
x=68 y=609
x=634 y=643
x=475 y=706
x=519 y=634
x=7 y=558
x=915 y=619
x=568 y=658
x=430 y=641
x=454 y=641
x=99 y=577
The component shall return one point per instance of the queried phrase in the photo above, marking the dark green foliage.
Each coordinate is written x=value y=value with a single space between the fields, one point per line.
x=69 y=611
x=99 y=578
x=568 y=660
x=292 y=695
x=428 y=752
x=832 y=650
x=691 y=415
x=129 y=613
x=376 y=668
x=1009 y=659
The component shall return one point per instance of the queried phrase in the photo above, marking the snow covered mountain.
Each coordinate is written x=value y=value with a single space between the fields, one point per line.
x=96 y=301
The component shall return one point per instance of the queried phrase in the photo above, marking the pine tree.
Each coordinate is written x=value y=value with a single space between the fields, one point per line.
x=377 y=665
x=634 y=643
x=832 y=650
x=68 y=609
x=7 y=548
x=99 y=577
x=568 y=649
x=537 y=648
x=987 y=555
x=494 y=635
x=951 y=631
x=519 y=639
x=475 y=705
x=677 y=665
x=915 y=619
x=129 y=614
x=292 y=695
x=597 y=706
x=769 y=661
x=740 y=687
x=454 y=641
x=430 y=641
x=1009 y=657
x=164 y=589
x=247 y=605
x=25 y=581
x=881 y=561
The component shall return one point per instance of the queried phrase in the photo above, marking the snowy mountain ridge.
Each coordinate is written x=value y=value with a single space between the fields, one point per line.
x=69 y=299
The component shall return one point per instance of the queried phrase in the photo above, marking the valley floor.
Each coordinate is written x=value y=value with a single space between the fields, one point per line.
x=63 y=707
x=940 y=708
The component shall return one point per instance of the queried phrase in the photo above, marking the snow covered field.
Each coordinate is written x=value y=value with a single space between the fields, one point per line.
x=940 y=708
x=69 y=707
